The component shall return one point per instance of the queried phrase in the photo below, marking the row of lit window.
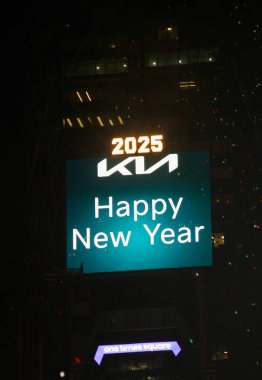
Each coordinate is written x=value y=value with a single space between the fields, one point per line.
x=94 y=121
x=85 y=96
x=154 y=59
x=98 y=67
x=182 y=57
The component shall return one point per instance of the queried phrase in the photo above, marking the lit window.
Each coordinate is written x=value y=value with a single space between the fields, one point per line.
x=69 y=122
x=218 y=239
x=151 y=59
x=79 y=96
x=80 y=122
x=206 y=55
x=186 y=85
x=100 y=121
x=220 y=353
x=100 y=67
x=167 y=32
x=120 y=120
x=183 y=57
x=88 y=96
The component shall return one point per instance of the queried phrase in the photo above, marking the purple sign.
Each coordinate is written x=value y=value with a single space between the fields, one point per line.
x=135 y=347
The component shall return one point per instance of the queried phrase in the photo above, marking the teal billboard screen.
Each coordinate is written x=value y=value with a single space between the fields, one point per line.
x=139 y=212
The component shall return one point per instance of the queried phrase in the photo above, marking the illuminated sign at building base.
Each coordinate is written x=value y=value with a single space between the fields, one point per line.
x=135 y=348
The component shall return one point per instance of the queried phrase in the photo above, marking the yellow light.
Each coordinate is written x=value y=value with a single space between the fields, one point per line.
x=120 y=120
x=69 y=122
x=100 y=121
x=79 y=122
x=89 y=119
x=79 y=96
x=111 y=122
x=187 y=84
x=218 y=239
x=170 y=28
x=88 y=97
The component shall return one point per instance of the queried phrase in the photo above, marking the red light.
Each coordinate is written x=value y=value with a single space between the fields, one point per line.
x=77 y=360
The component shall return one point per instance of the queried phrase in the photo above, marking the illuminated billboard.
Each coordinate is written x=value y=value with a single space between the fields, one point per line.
x=135 y=348
x=139 y=212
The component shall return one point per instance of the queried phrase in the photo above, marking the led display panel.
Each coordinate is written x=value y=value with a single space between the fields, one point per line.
x=139 y=212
